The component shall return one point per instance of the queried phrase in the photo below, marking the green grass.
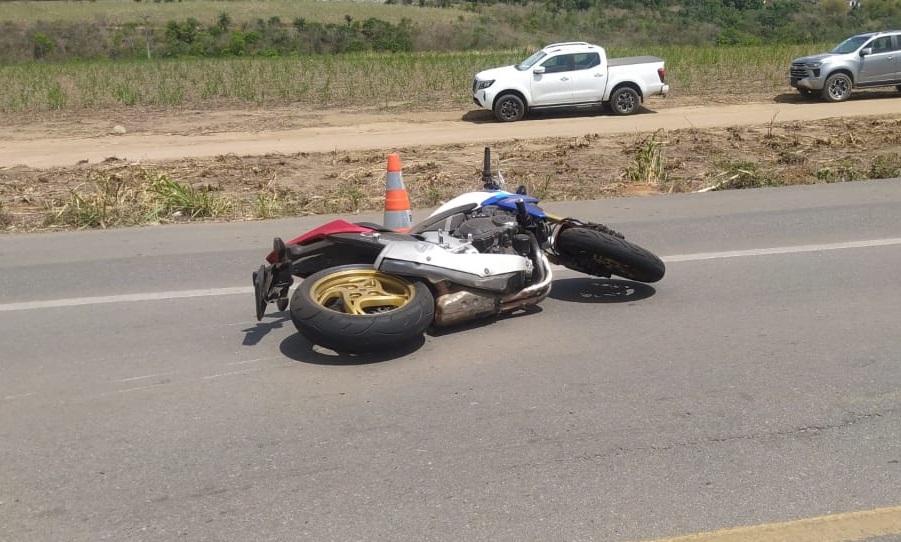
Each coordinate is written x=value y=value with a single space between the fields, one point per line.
x=725 y=70
x=131 y=197
x=370 y=79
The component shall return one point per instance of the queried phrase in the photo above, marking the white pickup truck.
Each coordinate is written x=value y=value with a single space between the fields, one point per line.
x=571 y=74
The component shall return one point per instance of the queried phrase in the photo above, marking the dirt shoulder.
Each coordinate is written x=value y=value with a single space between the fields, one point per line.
x=267 y=163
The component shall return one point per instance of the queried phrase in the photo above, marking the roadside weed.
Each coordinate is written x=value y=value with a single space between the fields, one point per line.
x=742 y=174
x=841 y=171
x=268 y=205
x=175 y=199
x=128 y=198
x=885 y=166
x=648 y=166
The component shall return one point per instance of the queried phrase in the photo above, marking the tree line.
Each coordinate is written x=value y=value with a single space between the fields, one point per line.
x=497 y=24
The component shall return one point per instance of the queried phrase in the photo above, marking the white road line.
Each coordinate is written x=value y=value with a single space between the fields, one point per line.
x=246 y=290
x=19 y=396
x=133 y=378
x=781 y=250
x=129 y=390
x=233 y=373
x=251 y=361
x=125 y=298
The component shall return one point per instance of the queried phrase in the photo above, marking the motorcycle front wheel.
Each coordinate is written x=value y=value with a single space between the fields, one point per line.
x=594 y=252
x=357 y=309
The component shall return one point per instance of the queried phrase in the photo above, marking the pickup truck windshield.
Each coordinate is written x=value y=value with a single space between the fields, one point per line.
x=531 y=61
x=849 y=45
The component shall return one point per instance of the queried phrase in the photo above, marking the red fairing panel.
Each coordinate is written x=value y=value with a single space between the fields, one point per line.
x=323 y=231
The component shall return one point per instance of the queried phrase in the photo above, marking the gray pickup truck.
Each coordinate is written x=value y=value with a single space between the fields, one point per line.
x=862 y=61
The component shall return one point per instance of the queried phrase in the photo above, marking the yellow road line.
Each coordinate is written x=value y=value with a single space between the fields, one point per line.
x=844 y=527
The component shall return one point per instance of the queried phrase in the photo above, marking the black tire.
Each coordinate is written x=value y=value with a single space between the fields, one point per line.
x=593 y=251
x=320 y=311
x=837 y=88
x=509 y=108
x=625 y=101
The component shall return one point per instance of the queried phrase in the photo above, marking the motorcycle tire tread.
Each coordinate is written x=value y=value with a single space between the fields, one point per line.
x=359 y=334
x=596 y=252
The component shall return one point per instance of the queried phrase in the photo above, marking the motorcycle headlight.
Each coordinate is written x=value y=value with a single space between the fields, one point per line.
x=484 y=84
x=814 y=65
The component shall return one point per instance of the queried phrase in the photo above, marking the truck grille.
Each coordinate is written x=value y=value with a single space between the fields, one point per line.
x=799 y=71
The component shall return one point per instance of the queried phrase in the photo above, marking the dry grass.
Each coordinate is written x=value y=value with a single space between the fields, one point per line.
x=229 y=187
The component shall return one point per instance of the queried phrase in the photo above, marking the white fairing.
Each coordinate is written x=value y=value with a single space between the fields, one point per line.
x=465 y=199
x=481 y=265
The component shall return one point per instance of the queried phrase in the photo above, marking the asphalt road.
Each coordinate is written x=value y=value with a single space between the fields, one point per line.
x=756 y=384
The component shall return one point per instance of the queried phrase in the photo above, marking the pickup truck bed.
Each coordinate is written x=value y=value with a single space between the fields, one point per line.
x=629 y=60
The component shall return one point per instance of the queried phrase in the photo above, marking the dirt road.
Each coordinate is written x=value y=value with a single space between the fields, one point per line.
x=170 y=136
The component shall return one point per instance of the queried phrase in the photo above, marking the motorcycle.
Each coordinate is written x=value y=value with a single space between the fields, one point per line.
x=366 y=288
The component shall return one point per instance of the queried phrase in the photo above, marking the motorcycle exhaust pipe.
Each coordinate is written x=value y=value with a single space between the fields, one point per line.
x=535 y=293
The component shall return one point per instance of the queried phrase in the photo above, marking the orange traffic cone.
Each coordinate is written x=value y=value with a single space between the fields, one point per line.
x=397 y=204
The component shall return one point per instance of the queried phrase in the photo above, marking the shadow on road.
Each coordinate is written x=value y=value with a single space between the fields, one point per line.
x=862 y=95
x=581 y=290
x=299 y=348
x=483 y=116
x=255 y=334
x=527 y=311
x=599 y=290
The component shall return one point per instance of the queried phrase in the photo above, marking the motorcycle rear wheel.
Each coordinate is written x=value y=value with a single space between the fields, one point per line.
x=357 y=309
x=592 y=251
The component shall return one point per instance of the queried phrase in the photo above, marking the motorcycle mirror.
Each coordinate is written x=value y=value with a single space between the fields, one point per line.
x=487 y=180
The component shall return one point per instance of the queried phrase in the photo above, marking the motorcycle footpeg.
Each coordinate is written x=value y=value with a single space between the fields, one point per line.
x=281 y=251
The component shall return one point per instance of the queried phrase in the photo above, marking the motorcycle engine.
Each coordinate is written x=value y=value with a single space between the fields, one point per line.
x=493 y=233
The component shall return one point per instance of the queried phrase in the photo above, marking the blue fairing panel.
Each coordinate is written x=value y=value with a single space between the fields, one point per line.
x=507 y=200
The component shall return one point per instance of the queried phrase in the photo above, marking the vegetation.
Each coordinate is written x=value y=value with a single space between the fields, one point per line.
x=133 y=197
x=201 y=53
x=206 y=54
x=649 y=166
x=110 y=29
x=422 y=78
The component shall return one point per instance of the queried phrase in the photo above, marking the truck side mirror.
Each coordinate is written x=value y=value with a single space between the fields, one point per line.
x=538 y=70
x=866 y=51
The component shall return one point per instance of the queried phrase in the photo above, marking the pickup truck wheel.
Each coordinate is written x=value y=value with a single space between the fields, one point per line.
x=624 y=101
x=509 y=108
x=837 y=88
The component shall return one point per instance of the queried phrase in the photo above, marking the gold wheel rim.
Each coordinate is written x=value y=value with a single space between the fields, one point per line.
x=362 y=291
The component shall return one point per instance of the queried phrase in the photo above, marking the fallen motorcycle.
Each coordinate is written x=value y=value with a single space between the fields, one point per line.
x=366 y=288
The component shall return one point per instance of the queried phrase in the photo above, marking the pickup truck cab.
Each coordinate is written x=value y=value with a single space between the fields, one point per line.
x=571 y=74
x=866 y=60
